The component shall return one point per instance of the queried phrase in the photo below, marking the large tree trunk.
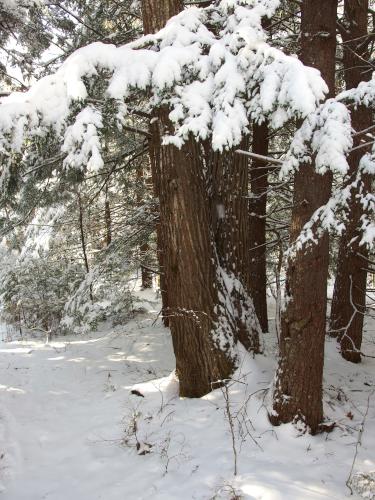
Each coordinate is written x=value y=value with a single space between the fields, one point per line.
x=200 y=315
x=201 y=320
x=298 y=387
x=257 y=229
x=228 y=189
x=155 y=14
x=349 y=297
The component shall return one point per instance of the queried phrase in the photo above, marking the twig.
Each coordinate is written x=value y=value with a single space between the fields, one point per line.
x=259 y=157
x=359 y=442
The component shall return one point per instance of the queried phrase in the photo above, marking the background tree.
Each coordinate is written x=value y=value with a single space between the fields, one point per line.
x=349 y=297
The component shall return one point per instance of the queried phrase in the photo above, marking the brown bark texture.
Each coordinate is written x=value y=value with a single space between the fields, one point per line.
x=257 y=224
x=155 y=158
x=201 y=319
x=155 y=14
x=298 y=386
x=228 y=191
x=201 y=313
x=83 y=240
x=349 y=297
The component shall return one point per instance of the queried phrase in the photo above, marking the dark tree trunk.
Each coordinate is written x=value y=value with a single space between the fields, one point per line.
x=349 y=297
x=83 y=239
x=108 y=219
x=155 y=14
x=201 y=318
x=228 y=190
x=298 y=386
x=144 y=248
x=146 y=273
x=257 y=229
x=155 y=155
x=202 y=325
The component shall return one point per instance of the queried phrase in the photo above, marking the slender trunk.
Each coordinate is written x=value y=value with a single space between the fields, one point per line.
x=349 y=297
x=83 y=239
x=298 y=386
x=108 y=219
x=257 y=229
x=146 y=274
x=155 y=155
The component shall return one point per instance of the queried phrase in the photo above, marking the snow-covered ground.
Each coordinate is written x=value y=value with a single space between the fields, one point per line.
x=70 y=428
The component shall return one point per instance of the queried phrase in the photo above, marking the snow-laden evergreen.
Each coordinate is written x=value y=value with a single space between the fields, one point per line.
x=214 y=84
x=325 y=139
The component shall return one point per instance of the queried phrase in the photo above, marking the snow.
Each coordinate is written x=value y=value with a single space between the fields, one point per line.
x=213 y=83
x=16 y=6
x=326 y=136
x=67 y=423
x=82 y=143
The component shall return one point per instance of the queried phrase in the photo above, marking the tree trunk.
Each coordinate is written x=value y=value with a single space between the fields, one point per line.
x=228 y=190
x=200 y=315
x=155 y=14
x=144 y=248
x=298 y=387
x=83 y=239
x=201 y=319
x=155 y=155
x=349 y=297
x=257 y=229
x=108 y=219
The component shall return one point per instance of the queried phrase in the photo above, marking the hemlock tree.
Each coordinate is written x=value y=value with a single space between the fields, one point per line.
x=257 y=224
x=349 y=297
x=298 y=384
x=155 y=15
x=257 y=230
x=325 y=140
x=189 y=260
x=206 y=74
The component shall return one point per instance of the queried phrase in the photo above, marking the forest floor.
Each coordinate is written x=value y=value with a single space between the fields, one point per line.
x=70 y=428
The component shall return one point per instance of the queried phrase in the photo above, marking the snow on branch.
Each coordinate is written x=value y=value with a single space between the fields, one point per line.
x=325 y=140
x=333 y=217
x=16 y=7
x=325 y=136
x=211 y=66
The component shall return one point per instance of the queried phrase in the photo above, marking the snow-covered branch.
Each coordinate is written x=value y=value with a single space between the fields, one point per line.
x=214 y=82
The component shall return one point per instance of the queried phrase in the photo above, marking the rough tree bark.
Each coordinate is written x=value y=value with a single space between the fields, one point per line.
x=202 y=325
x=154 y=152
x=298 y=386
x=349 y=297
x=228 y=189
x=201 y=318
x=257 y=229
x=155 y=14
